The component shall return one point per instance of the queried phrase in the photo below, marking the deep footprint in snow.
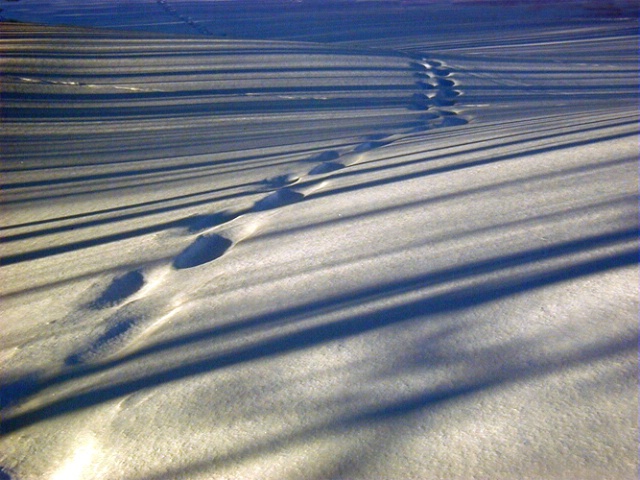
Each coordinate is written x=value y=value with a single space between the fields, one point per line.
x=425 y=117
x=366 y=146
x=443 y=102
x=379 y=136
x=445 y=82
x=279 y=181
x=425 y=85
x=203 y=250
x=197 y=223
x=121 y=330
x=422 y=75
x=452 y=122
x=441 y=72
x=325 y=156
x=326 y=167
x=113 y=338
x=418 y=66
x=448 y=93
x=434 y=76
x=419 y=101
x=118 y=290
x=279 y=198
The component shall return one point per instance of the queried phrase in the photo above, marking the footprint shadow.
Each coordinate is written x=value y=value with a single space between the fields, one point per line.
x=423 y=85
x=434 y=91
x=197 y=223
x=114 y=337
x=326 y=167
x=366 y=146
x=445 y=82
x=279 y=181
x=279 y=198
x=204 y=249
x=452 y=122
x=119 y=290
x=325 y=156
x=419 y=101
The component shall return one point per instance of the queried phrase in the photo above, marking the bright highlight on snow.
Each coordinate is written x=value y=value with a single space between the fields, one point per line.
x=75 y=467
x=319 y=240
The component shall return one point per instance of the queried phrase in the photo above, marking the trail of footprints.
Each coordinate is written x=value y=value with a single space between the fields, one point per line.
x=129 y=318
x=171 y=10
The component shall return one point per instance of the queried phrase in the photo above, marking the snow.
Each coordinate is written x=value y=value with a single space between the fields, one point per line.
x=319 y=240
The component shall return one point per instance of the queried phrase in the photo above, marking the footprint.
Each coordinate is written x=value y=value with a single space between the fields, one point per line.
x=448 y=93
x=419 y=101
x=326 y=167
x=425 y=117
x=418 y=66
x=366 y=146
x=203 y=250
x=115 y=335
x=441 y=72
x=279 y=198
x=120 y=331
x=409 y=126
x=325 y=156
x=279 y=181
x=452 y=122
x=420 y=128
x=422 y=75
x=119 y=289
x=425 y=86
x=445 y=82
x=197 y=223
x=111 y=340
x=433 y=75
x=443 y=102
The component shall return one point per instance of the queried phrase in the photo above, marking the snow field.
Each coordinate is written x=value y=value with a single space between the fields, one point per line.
x=228 y=258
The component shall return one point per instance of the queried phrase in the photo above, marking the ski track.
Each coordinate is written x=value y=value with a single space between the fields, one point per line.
x=134 y=320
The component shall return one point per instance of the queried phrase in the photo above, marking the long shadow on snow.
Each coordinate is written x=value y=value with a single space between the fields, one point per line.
x=487 y=375
x=455 y=299
x=92 y=242
x=468 y=164
x=45 y=252
x=210 y=103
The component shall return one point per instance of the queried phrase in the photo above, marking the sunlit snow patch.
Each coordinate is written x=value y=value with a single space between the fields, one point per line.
x=75 y=467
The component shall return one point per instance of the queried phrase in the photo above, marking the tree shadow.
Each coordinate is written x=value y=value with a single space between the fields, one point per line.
x=445 y=291
x=620 y=251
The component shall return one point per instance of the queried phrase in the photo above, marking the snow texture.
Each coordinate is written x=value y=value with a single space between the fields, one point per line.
x=319 y=240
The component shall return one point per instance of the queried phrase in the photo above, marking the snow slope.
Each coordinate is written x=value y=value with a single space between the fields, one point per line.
x=318 y=240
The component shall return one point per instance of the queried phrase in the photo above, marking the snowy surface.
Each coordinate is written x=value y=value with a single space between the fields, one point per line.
x=319 y=240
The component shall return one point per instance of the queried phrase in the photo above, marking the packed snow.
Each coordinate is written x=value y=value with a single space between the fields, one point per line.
x=319 y=240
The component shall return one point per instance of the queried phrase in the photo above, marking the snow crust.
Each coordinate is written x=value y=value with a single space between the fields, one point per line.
x=319 y=240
